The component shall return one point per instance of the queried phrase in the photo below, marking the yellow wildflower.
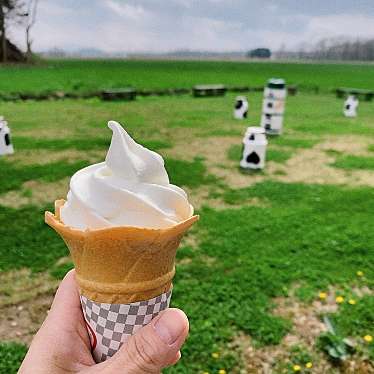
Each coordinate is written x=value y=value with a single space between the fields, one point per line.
x=339 y=299
x=360 y=273
x=308 y=365
x=368 y=338
x=352 y=301
x=222 y=371
x=215 y=355
x=322 y=295
x=296 y=368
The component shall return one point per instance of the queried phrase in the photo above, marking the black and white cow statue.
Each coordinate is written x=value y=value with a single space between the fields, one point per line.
x=273 y=106
x=350 y=106
x=6 y=146
x=254 y=148
x=241 y=107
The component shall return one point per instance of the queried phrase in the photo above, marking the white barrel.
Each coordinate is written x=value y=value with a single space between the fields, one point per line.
x=276 y=89
x=272 y=124
x=273 y=106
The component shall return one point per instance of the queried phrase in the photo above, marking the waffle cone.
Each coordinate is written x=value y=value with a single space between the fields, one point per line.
x=121 y=265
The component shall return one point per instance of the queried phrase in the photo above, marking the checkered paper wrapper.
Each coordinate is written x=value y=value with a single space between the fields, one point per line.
x=124 y=276
x=110 y=325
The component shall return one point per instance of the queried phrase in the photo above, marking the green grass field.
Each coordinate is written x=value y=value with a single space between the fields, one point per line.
x=268 y=243
x=70 y=75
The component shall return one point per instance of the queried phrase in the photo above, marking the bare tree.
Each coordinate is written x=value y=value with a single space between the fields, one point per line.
x=10 y=11
x=30 y=22
x=5 y=7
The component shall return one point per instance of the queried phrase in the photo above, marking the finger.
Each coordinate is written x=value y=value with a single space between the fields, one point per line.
x=153 y=347
x=175 y=359
x=63 y=333
x=66 y=311
x=67 y=295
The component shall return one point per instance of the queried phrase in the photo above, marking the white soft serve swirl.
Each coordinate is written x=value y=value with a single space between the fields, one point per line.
x=131 y=188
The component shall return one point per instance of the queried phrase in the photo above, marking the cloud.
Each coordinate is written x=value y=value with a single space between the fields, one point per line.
x=348 y=25
x=215 y=25
x=134 y=12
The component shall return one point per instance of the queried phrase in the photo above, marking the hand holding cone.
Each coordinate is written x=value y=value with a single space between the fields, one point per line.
x=124 y=270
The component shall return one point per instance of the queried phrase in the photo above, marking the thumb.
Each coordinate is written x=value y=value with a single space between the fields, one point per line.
x=153 y=347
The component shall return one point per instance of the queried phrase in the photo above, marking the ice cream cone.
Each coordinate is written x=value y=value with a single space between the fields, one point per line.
x=124 y=275
x=121 y=264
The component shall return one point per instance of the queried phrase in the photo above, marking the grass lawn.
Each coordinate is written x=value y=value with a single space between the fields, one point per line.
x=268 y=243
x=78 y=75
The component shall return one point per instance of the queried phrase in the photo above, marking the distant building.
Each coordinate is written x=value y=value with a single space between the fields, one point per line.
x=259 y=53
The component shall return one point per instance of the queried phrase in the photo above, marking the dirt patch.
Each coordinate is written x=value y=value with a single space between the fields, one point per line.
x=311 y=165
x=208 y=260
x=213 y=149
x=48 y=132
x=44 y=156
x=306 y=327
x=25 y=299
x=184 y=261
x=190 y=240
x=314 y=166
x=353 y=145
x=21 y=322
x=198 y=196
x=203 y=196
x=234 y=177
x=219 y=204
x=36 y=193
x=278 y=359
x=18 y=286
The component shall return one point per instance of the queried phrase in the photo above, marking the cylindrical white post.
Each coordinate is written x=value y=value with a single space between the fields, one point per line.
x=273 y=106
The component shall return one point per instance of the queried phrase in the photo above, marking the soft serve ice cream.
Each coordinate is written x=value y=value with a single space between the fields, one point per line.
x=131 y=188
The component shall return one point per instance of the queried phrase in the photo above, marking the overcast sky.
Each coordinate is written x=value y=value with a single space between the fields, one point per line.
x=214 y=25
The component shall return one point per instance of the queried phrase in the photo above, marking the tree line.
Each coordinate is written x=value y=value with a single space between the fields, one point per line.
x=333 y=49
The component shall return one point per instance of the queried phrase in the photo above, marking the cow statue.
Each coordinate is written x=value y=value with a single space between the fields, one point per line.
x=254 y=148
x=350 y=106
x=6 y=146
x=241 y=107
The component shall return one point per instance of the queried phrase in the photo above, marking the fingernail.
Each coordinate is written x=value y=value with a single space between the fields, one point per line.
x=170 y=326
